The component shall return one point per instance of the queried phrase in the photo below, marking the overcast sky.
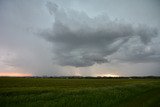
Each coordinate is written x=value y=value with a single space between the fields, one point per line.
x=80 y=37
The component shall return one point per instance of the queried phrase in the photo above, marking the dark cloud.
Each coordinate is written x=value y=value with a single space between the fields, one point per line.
x=135 y=51
x=80 y=41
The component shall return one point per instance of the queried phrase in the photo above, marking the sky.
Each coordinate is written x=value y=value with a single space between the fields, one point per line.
x=79 y=38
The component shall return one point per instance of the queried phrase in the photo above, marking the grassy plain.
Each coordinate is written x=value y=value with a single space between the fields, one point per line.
x=56 y=92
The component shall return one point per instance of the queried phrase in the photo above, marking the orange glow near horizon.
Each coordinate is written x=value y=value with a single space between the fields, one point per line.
x=14 y=74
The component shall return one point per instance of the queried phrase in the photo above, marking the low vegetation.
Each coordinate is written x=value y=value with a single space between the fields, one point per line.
x=79 y=92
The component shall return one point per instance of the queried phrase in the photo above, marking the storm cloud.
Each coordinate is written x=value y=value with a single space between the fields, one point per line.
x=80 y=37
x=79 y=40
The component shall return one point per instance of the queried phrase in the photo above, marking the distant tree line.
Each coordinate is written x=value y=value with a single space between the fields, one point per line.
x=89 y=77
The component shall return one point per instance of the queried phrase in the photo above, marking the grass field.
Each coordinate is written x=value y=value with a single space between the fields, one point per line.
x=56 y=92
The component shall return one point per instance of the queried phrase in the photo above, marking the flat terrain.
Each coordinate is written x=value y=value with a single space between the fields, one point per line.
x=56 y=92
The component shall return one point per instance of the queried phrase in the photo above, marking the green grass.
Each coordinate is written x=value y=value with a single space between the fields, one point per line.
x=54 y=92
